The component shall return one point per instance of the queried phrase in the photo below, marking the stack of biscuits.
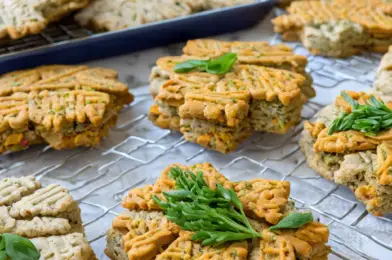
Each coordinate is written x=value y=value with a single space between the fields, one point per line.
x=109 y=15
x=359 y=161
x=19 y=18
x=338 y=27
x=64 y=106
x=48 y=216
x=264 y=91
x=143 y=231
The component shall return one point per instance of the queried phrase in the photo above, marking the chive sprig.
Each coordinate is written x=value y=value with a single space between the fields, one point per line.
x=369 y=118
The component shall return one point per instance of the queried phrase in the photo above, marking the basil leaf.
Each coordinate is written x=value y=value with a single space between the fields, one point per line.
x=3 y=255
x=222 y=64
x=2 y=243
x=190 y=65
x=20 y=248
x=216 y=66
x=294 y=220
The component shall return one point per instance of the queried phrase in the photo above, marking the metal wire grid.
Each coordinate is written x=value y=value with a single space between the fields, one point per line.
x=66 y=29
x=136 y=152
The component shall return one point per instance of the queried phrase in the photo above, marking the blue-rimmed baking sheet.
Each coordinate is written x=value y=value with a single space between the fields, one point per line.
x=67 y=43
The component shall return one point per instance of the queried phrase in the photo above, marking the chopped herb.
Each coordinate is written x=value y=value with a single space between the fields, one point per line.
x=248 y=185
x=231 y=83
x=212 y=143
x=234 y=254
x=281 y=123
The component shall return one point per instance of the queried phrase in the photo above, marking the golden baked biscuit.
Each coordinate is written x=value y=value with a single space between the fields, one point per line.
x=65 y=106
x=144 y=232
x=264 y=91
x=338 y=27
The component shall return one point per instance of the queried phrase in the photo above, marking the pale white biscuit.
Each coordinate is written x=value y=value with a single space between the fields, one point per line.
x=41 y=226
x=112 y=15
x=35 y=227
x=19 y=18
x=119 y=14
x=49 y=201
x=13 y=189
x=7 y=223
x=48 y=216
x=71 y=247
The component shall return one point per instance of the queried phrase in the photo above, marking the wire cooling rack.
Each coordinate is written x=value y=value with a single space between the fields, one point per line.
x=66 y=29
x=136 y=152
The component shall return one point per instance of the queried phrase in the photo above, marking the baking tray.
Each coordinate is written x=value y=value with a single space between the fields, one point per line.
x=136 y=152
x=68 y=43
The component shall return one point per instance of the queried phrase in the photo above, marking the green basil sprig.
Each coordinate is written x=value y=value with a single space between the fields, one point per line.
x=216 y=216
x=293 y=220
x=369 y=118
x=217 y=66
x=14 y=247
